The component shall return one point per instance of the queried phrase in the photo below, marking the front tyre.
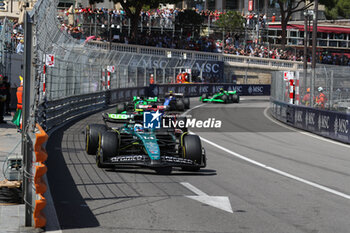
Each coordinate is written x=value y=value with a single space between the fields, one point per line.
x=192 y=149
x=108 y=148
x=204 y=96
x=180 y=106
x=187 y=103
x=121 y=107
x=224 y=98
x=91 y=136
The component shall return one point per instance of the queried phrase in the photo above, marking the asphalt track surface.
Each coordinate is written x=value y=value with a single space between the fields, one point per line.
x=89 y=199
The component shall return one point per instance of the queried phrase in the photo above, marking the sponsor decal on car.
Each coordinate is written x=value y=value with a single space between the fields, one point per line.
x=127 y=158
x=119 y=116
x=176 y=160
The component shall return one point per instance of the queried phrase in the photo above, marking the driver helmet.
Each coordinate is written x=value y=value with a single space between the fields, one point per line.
x=138 y=128
x=221 y=90
x=308 y=89
x=171 y=93
x=320 y=89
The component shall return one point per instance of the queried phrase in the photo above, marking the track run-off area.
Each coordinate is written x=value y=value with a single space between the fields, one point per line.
x=261 y=176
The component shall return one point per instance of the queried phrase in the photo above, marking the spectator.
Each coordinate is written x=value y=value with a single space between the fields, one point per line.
x=320 y=99
x=306 y=99
x=273 y=18
x=20 y=47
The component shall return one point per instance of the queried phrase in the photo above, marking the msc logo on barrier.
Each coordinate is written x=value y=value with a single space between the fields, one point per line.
x=151 y=120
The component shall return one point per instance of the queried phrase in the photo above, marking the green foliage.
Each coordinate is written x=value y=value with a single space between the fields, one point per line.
x=337 y=8
x=231 y=21
x=189 y=17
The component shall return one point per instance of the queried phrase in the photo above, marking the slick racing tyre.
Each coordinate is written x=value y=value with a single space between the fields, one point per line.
x=129 y=107
x=91 y=137
x=180 y=106
x=224 y=98
x=187 y=103
x=108 y=148
x=121 y=108
x=192 y=149
x=109 y=144
x=235 y=98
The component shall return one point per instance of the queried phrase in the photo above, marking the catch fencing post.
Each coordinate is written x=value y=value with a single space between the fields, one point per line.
x=291 y=87
x=108 y=80
x=297 y=96
x=26 y=141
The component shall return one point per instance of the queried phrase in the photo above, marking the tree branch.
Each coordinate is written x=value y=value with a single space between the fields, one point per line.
x=303 y=8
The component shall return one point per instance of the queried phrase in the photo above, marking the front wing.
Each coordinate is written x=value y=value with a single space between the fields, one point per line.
x=145 y=161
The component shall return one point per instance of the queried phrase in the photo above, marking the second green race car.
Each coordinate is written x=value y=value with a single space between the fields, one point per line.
x=221 y=97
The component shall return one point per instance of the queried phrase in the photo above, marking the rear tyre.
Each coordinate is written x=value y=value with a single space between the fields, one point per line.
x=187 y=103
x=121 y=108
x=91 y=137
x=163 y=170
x=180 y=105
x=235 y=98
x=192 y=149
x=108 y=148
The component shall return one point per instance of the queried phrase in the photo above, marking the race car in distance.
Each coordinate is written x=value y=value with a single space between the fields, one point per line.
x=221 y=97
x=140 y=103
x=132 y=145
x=176 y=101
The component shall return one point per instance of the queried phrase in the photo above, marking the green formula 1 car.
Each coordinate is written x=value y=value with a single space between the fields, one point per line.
x=132 y=145
x=139 y=104
x=221 y=97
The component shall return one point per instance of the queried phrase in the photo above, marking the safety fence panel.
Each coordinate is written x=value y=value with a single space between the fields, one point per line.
x=196 y=90
x=329 y=82
x=330 y=124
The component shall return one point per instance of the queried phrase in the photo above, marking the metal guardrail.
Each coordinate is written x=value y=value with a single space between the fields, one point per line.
x=56 y=112
x=232 y=60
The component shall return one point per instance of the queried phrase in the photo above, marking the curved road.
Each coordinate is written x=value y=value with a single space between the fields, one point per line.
x=276 y=180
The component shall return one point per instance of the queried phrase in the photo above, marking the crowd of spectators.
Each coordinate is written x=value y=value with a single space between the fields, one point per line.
x=232 y=44
x=15 y=44
x=164 y=17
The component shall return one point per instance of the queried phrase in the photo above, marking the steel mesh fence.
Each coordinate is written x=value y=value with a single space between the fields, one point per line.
x=332 y=81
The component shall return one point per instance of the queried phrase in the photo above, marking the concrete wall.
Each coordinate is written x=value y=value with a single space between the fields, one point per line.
x=247 y=75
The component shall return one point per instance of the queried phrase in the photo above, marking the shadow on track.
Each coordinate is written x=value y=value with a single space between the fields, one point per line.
x=72 y=210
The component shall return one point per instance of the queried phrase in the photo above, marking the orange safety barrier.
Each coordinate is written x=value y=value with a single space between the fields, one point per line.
x=39 y=217
x=39 y=183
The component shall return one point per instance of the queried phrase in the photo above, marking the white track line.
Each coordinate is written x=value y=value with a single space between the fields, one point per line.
x=303 y=132
x=285 y=174
x=324 y=188
x=193 y=189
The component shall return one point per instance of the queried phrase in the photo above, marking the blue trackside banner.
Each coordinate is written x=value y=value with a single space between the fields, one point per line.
x=330 y=124
x=195 y=90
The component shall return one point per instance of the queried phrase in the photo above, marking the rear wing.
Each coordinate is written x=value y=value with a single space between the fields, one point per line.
x=232 y=92
x=147 y=99
x=121 y=118
x=174 y=94
x=149 y=107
